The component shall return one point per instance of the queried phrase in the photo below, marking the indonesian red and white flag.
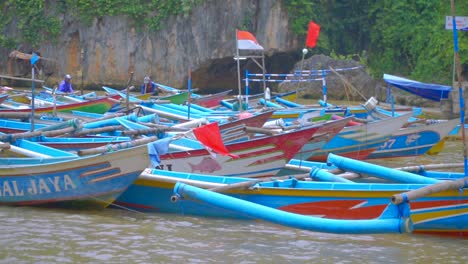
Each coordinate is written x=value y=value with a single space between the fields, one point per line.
x=210 y=136
x=247 y=41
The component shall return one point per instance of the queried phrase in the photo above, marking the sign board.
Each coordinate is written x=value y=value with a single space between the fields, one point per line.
x=462 y=22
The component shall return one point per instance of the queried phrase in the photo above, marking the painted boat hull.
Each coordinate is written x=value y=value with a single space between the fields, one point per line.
x=211 y=100
x=415 y=141
x=98 y=106
x=443 y=213
x=95 y=180
x=328 y=130
x=260 y=157
x=234 y=131
x=358 y=142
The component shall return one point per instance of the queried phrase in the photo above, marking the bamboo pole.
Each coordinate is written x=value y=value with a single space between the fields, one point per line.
x=118 y=146
x=20 y=79
x=97 y=130
x=419 y=168
x=248 y=184
x=127 y=91
x=4 y=145
x=430 y=189
x=135 y=132
x=54 y=130
x=260 y=130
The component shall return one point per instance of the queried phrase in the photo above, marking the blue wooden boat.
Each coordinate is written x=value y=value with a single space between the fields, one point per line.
x=414 y=140
x=443 y=213
x=95 y=180
x=360 y=141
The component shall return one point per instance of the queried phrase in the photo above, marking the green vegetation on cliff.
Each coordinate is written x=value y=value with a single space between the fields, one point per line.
x=39 y=21
x=391 y=36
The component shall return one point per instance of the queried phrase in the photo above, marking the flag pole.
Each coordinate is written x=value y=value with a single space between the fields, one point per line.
x=32 y=98
x=304 y=52
x=34 y=59
x=189 y=88
x=263 y=74
x=247 y=86
x=460 y=89
x=238 y=73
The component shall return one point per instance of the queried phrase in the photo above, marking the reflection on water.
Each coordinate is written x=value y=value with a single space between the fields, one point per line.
x=40 y=235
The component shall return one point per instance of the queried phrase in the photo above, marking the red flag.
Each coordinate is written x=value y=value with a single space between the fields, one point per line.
x=312 y=34
x=210 y=137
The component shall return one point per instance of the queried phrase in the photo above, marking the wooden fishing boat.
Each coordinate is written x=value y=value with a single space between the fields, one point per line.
x=210 y=100
x=290 y=96
x=415 y=140
x=360 y=141
x=92 y=180
x=327 y=131
x=179 y=98
x=443 y=213
x=259 y=157
x=235 y=129
x=175 y=98
x=100 y=106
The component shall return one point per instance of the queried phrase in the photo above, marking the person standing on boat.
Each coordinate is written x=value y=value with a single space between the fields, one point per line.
x=149 y=86
x=66 y=86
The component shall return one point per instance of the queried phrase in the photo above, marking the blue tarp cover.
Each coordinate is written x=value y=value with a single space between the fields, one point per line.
x=434 y=92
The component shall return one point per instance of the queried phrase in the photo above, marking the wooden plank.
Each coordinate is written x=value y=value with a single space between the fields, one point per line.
x=19 y=78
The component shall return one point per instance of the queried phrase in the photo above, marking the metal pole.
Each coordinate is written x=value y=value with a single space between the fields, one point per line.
x=304 y=52
x=127 y=92
x=324 y=85
x=460 y=89
x=247 y=86
x=32 y=98
x=238 y=73
x=81 y=70
x=263 y=74
x=189 y=88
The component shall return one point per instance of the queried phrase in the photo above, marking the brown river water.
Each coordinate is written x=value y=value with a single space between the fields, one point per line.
x=39 y=235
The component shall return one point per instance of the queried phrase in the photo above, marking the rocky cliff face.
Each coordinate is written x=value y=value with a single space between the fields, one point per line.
x=108 y=50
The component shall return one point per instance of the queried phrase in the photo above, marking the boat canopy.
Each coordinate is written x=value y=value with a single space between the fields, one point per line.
x=434 y=92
